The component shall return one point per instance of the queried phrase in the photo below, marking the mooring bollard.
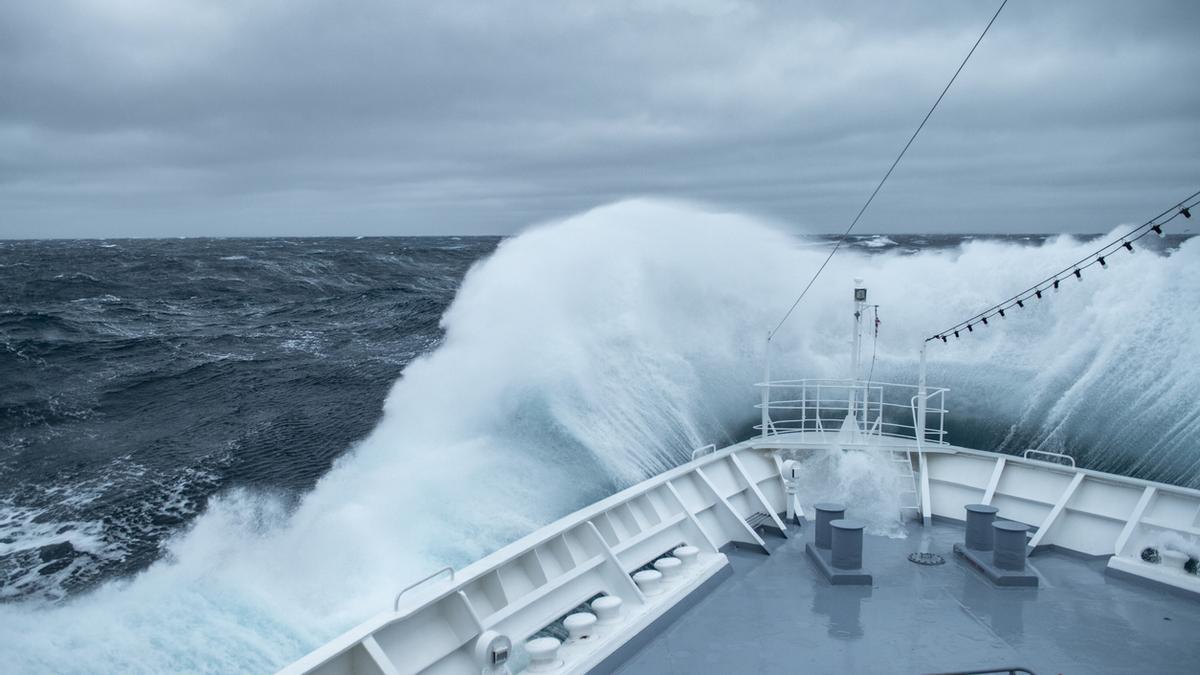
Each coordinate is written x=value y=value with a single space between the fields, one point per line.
x=979 y=526
x=827 y=512
x=847 y=540
x=1009 y=551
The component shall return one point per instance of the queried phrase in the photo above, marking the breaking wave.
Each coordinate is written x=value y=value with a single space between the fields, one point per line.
x=587 y=354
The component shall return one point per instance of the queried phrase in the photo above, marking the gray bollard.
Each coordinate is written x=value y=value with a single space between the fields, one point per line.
x=847 y=536
x=979 y=526
x=827 y=512
x=1009 y=552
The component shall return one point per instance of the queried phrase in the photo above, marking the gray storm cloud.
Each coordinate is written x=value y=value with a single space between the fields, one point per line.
x=142 y=118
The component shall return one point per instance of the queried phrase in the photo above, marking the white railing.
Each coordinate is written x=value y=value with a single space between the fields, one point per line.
x=442 y=626
x=880 y=409
x=1057 y=457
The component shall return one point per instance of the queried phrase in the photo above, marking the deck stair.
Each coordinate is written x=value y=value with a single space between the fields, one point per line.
x=763 y=523
x=910 y=494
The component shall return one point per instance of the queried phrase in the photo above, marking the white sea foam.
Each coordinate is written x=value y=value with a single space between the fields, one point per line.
x=587 y=354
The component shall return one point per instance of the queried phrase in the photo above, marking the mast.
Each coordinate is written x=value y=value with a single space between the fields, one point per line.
x=860 y=305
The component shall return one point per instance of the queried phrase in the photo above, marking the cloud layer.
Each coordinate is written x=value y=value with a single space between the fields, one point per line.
x=304 y=117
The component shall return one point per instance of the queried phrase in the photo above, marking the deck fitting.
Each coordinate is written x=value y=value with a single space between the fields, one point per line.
x=841 y=564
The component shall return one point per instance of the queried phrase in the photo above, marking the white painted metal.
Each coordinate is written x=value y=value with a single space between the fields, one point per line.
x=1067 y=459
x=994 y=481
x=1135 y=519
x=792 y=472
x=534 y=581
x=922 y=400
x=902 y=461
x=541 y=577
x=765 y=424
x=1079 y=510
x=822 y=404
x=422 y=582
x=695 y=509
x=1057 y=510
x=926 y=493
x=766 y=506
x=860 y=305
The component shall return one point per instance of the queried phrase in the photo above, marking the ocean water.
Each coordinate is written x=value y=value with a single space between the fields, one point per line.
x=217 y=454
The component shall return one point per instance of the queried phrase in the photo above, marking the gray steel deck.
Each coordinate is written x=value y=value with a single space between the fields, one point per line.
x=776 y=614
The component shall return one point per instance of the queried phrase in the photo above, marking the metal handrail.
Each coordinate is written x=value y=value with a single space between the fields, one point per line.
x=781 y=405
x=829 y=381
x=704 y=450
x=1025 y=455
x=822 y=405
x=1012 y=670
x=396 y=603
x=792 y=425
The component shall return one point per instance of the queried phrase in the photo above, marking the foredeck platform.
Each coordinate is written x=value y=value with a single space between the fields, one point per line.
x=826 y=440
x=776 y=614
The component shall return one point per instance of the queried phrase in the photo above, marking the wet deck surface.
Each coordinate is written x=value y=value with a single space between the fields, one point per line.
x=776 y=614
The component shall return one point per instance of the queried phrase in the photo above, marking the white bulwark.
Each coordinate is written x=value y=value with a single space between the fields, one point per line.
x=585 y=592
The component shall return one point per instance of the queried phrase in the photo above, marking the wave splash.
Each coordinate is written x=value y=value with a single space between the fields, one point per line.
x=587 y=354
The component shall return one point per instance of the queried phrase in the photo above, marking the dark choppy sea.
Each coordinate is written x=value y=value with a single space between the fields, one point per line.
x=139 y=377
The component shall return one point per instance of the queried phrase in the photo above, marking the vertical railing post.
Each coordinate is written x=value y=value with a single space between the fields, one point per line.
x=922 y=401
x=803 y=406
x=923 y=465
x=766 y=392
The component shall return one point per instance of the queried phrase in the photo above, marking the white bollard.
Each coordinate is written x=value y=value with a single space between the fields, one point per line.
x=671 y=568
x=579 y=625
x=543 y=654
x=607 y=609
x=649 y=581
x=687 y=555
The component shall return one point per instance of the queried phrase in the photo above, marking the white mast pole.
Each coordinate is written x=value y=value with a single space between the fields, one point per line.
x=922 y=400
x=860 y=303
x=922 y=403
x=766 y=390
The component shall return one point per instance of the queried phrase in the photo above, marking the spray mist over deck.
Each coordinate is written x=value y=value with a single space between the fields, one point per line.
x=588 y=354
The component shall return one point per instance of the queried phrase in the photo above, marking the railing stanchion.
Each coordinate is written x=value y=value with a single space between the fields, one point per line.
x=922 y=401
x=804 y=407
x=766 y=392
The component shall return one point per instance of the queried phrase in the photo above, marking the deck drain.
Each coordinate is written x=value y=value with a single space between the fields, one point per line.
x=926 y=558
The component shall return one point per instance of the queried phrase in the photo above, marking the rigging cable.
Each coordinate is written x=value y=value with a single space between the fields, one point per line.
x=842 y=239
x=1097 y=257
x=874 y=346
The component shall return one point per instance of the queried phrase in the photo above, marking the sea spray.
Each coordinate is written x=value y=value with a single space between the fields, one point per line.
x=587 y=354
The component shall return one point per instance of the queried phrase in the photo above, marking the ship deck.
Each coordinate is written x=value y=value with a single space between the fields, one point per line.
x=777 y=614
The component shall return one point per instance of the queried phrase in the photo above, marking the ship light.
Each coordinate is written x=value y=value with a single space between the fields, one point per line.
x=492 y=651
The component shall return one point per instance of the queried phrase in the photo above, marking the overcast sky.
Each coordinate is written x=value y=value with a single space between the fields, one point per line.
x=305 y=117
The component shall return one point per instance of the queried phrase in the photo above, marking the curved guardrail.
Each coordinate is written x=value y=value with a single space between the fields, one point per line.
x=396 y=603
x=1070 y=461
x=882 y=409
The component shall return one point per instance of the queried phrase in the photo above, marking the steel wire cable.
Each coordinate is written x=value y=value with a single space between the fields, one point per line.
x=1155 y=224
x=874 y=192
